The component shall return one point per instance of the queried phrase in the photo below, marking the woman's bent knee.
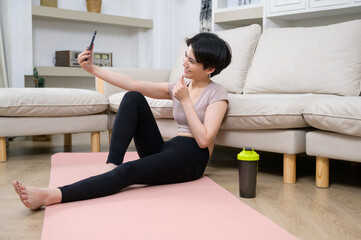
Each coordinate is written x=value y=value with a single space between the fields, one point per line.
x=133 y=95
x=133 y=98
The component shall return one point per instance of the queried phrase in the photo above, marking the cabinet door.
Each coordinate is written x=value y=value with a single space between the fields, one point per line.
x=286 y=5
x=325 y=3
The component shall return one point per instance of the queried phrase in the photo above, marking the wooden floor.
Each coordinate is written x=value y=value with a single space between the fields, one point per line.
x=302 y=209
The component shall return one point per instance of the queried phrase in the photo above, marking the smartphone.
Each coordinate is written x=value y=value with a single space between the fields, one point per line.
x=92 y=42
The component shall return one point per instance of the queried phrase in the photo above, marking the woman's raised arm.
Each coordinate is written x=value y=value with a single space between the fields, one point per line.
x=149 y=89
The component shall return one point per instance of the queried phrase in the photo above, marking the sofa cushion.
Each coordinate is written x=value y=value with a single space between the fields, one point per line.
x=323 y=59
x=333 y=145
x=266 y=111
x=29 y=126
x=285 y=141
x=161 y=108
x=48 y=102
x=335 y=114
x=243 y=42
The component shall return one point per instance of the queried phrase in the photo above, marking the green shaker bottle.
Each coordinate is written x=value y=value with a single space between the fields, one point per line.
x=248 y=166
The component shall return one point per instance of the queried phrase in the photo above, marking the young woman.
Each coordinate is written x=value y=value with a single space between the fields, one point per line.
x=199 y=107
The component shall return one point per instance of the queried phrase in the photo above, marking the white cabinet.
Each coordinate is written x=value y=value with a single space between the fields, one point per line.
x=325 y=3
x=284 y=13
x=286 y=5
x=311 y=9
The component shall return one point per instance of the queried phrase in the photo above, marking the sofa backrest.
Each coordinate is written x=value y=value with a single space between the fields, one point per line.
x=323 y=60
x=243 y=42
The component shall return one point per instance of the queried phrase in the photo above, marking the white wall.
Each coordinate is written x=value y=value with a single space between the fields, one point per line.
x=3 y=75
x=52 y=35
x=31 y=43
x=173 y=21
x=15 y=18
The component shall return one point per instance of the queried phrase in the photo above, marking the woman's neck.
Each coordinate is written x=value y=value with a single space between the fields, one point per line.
x=200 y=83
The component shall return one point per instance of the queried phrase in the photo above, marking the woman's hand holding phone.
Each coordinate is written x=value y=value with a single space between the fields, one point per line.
x=85 y=59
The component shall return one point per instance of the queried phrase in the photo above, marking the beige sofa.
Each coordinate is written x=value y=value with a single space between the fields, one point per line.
x=43 y=111
x=291 y=91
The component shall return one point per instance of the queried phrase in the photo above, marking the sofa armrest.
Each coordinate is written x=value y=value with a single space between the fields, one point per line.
x=142 y=74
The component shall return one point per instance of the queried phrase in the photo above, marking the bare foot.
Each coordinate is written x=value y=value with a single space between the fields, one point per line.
x=34 y=198
x=109 y=167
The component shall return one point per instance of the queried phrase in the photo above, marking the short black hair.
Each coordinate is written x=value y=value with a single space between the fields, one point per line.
x=211 y=51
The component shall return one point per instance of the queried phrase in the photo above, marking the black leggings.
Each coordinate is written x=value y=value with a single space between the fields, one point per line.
x=161 y=162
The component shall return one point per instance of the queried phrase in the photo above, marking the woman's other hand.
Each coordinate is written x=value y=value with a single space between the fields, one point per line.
x=85 y=59
x=180 y=90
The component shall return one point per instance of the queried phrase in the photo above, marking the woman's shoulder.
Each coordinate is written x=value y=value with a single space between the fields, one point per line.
x=217 y=87
x=216 y=92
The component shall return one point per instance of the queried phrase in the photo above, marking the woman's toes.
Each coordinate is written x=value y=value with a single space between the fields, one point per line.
x=15 y=185
x=20 y=186
x=23 y=197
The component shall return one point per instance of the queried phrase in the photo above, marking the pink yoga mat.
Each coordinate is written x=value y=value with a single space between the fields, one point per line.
x=199 y=209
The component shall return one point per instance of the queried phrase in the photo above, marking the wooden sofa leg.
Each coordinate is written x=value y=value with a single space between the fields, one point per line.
x=95 y=141
x=322 y=172
x=289 y=168
x=2 y=149
x=67 y=140
x=110 y=134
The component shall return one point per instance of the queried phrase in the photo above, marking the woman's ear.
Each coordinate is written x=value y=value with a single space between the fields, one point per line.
x=209 y=71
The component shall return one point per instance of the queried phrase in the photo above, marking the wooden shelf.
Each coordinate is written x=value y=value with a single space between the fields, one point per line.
x=97 y=18
x=239 y=16
x=62 y=72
